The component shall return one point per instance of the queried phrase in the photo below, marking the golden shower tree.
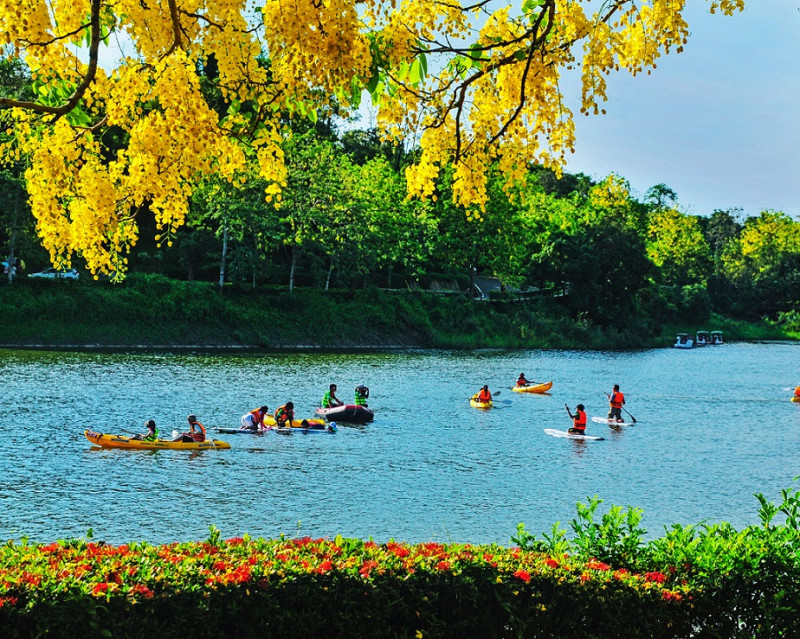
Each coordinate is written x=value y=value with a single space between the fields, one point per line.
x=477 y=83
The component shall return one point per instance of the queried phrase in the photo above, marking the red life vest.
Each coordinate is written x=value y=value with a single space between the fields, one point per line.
x=797 y=392
x=617 y=399
x=579 y=421
x=522 y=382
x=201 y=436
x=484 y=396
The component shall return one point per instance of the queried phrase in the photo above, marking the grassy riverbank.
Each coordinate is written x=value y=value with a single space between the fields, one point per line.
x=153 y=311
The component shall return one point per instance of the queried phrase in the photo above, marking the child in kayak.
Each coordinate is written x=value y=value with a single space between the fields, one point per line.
x=578 y=420
x=284 y=414
x=152 y=432
x=483 y=395
x=521 y=381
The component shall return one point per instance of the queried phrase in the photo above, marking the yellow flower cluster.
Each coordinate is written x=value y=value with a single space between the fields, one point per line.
x=474 y=96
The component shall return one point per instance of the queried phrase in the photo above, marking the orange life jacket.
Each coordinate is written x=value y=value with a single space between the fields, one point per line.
x=617 y=399
x=797 y=392
x=484 y=396
x=201 y=436
x=579 y=421
x=522 y=382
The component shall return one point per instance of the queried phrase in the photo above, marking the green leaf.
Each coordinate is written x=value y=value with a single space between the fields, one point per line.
x=415 y=72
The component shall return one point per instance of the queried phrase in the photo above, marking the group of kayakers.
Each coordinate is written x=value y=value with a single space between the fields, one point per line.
x=616 y=400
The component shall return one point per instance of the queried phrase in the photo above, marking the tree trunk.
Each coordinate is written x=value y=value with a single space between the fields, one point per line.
x=295 y=251
x=328 y=279
x=389 y=277
x=224 y=254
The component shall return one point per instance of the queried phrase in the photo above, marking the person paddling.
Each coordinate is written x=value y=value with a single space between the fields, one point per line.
x=578 y=420
x=521 y=381
x=152 y=432
x=254 y=420
x=483 y=395
x=284 y=414
x=196 y=433
x=797 y=393
x=329 y=399
x=615 y=402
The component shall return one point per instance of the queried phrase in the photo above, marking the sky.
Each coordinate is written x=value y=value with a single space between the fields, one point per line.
x=718 y=123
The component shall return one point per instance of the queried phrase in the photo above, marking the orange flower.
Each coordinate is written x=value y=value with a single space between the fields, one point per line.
x=523 y=575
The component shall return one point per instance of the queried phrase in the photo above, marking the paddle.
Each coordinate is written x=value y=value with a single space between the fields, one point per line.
x=633 y=419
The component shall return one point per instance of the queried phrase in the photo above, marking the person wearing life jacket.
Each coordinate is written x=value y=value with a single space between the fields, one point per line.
x=329 y=399
x=521 y=381
x=578 y=420
x=254 y=420
x=196 y=433
x=615 y=402
x=797 y=393
x=483 y=395
x=152 y=432
x=284 y=415
x=361 y=395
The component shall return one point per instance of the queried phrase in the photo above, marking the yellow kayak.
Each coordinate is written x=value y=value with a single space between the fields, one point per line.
x=121 y=441
x=533 y=388
x=796 y=399
x=269 y=420
x=476 y=404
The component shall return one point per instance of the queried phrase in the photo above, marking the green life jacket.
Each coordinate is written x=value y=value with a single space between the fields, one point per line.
x=326 y=399
x=151 y=438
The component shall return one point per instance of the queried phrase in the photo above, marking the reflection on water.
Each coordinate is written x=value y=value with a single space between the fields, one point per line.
x=715 y=425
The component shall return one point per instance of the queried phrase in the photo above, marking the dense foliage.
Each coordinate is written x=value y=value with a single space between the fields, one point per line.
x=206 y=87
x=696 y=581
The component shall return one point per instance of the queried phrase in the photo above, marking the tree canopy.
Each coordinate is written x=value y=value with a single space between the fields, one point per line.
x=479 y=84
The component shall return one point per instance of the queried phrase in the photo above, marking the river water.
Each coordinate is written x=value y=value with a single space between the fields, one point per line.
x=714 y=426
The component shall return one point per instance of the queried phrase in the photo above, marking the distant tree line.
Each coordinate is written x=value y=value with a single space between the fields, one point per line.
x=343 y=221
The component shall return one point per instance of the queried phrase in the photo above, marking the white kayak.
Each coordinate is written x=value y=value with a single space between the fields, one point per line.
x=610 y=422
x=563 y=433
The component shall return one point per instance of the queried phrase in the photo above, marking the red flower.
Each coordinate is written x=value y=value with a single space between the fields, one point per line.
x=325 y=566
x=220 y=566
x=398 y=550
x=240 y=575
x=551 y=563
x=658 y=577
x=100 y=589
x=523 y=575
x=620 y=574
x=8 y=601
x=668 y=595
x=586 y=577
x=443 y=566
x=141 y=589
x=367 y=567
x=30 y=578
x=597 y=565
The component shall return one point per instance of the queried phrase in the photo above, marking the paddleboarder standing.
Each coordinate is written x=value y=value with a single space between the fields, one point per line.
x=615 y=401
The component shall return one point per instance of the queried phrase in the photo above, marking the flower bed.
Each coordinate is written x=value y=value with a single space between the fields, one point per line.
x=317 y=587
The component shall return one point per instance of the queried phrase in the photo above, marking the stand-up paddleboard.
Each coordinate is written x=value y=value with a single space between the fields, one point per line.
x=612 y=422
x=562 y=433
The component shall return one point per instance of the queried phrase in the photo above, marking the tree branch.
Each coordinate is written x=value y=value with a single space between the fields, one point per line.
x=88 y=78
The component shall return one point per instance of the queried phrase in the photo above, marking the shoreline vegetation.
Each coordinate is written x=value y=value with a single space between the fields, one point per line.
x=153 y=312
x=604 y=581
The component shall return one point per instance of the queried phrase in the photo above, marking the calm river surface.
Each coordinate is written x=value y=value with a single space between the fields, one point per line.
x=715 y=425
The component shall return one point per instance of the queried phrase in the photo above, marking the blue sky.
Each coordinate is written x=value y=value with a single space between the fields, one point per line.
x=717 y=123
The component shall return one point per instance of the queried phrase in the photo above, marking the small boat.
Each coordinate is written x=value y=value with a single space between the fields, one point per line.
x=105 y=440
x=716 y=338
x=796 y=398
x=269 y=420
x=533 y=388
x=476 y=404
x=350 y=413
x=324 y=428
x=683 y=340
x=702 y=339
